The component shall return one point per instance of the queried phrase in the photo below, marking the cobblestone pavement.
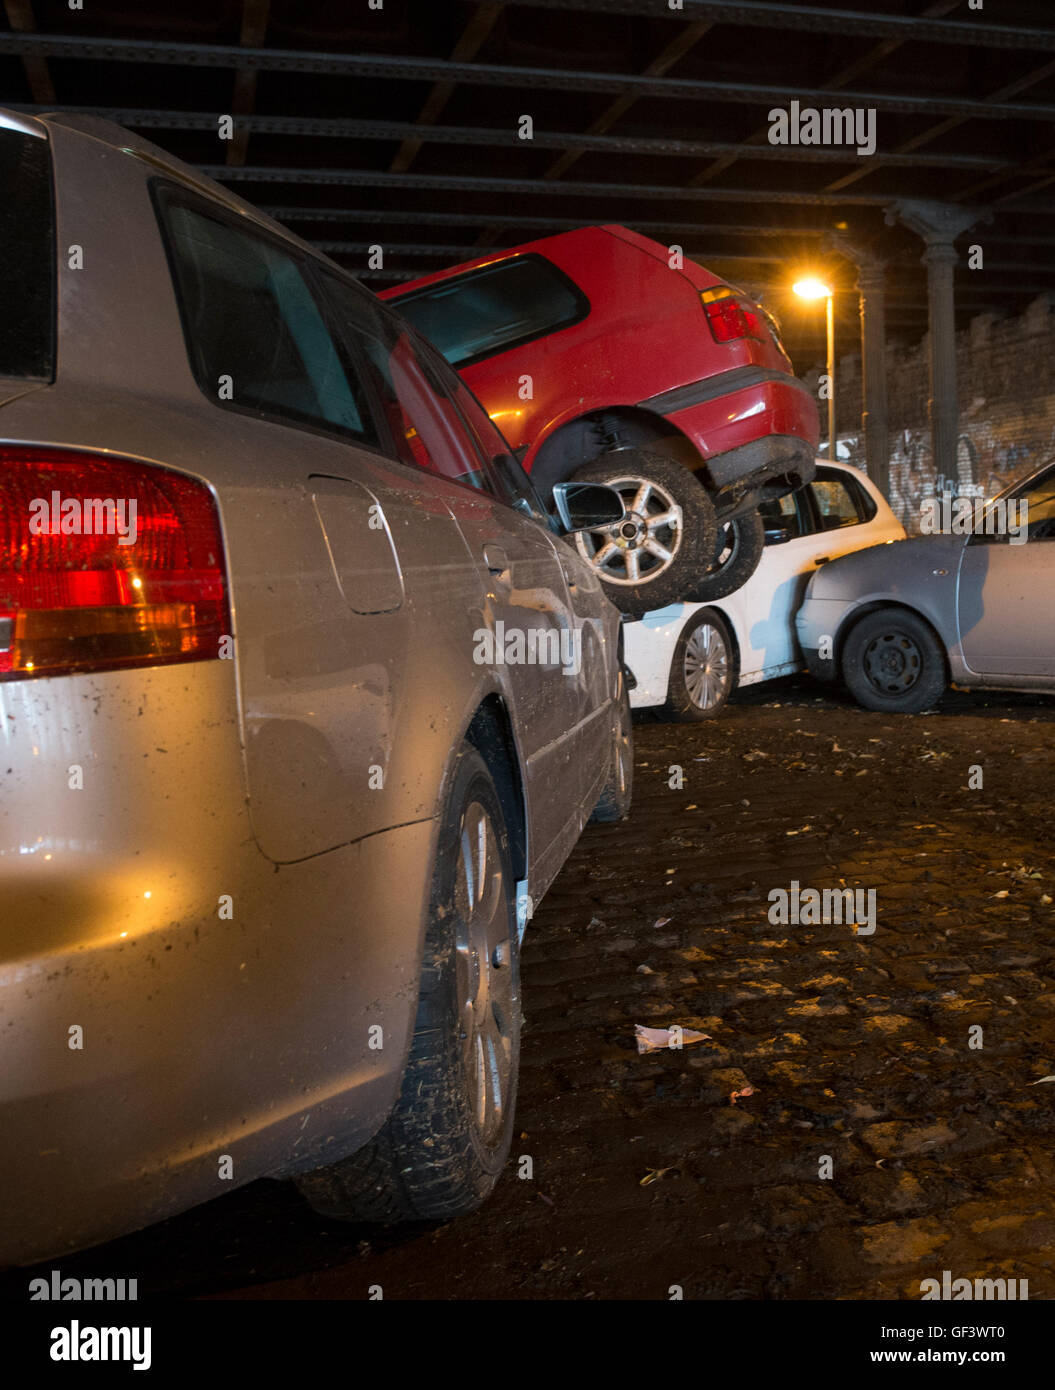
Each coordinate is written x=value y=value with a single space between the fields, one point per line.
x=646 y=1173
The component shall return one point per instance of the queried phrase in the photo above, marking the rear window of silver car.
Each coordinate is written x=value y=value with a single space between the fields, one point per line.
x=27 y=257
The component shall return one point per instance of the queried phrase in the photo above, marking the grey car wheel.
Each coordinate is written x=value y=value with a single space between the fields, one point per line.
x=444 y=1145
x=893 y=661
x=702 y=671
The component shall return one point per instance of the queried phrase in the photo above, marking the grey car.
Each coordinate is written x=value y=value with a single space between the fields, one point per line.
x=900 y=621
x=304 y=702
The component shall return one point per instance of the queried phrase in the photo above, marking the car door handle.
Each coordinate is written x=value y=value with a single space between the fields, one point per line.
x=495 y=558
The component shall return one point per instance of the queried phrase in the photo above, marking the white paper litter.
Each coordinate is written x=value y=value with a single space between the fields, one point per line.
x=675 y=1036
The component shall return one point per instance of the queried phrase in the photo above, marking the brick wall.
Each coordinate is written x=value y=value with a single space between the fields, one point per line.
x=1006 y=383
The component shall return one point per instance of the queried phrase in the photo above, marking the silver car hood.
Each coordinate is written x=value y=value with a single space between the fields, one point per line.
x=892 y=568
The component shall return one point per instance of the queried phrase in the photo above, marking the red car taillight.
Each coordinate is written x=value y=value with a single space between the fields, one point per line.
x=731 y=316
x=105 y=563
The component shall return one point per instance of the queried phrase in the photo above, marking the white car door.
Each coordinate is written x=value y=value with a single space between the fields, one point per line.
x=768 y=600
x=834 y=514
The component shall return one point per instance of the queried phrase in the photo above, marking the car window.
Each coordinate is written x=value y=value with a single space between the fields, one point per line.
x=1040 y=496
x=509 y=482
x=837 y=502
x=783 y=517
x=486 y=311
x=27 y=258
x=426 y=427
x=256 y=336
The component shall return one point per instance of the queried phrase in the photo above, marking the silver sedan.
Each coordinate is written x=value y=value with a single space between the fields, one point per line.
x=304 y=701
x=973 y=606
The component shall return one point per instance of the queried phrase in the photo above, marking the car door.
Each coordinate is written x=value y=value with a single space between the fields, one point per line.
x=527 y=600
x=515 y=603
x=1005 y=597
x=770 y=597
x=589 y=672
x=827 y=518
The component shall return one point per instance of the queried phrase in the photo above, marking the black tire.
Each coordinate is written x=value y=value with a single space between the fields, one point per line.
x=893 y=661
x=689 y=540
x=614 y=802
x=442 y=1149
x=702 y=669
x=737 y=551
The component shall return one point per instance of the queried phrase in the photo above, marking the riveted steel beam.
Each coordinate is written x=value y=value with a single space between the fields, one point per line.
x=457 y=183
x=812 y=19
x=355 y=129
x=495 y=75
x=412 y=218
x=456 y=254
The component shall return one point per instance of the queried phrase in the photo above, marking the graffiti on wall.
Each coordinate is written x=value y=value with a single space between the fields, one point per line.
x=985 y=464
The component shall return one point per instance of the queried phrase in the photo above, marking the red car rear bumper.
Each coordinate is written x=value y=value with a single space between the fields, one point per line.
x=752 y=424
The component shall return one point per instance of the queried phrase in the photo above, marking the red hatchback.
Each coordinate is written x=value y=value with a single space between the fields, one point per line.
x=604 y=356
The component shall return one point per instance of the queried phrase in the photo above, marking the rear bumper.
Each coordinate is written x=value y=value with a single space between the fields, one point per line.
x=168 y=996
x=756 y=428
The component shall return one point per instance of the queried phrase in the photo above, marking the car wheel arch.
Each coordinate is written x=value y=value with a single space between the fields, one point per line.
x=572 y=442
x=490 y=731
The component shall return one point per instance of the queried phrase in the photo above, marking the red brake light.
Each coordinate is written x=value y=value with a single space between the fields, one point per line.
x=105 y=564
x=730 y=316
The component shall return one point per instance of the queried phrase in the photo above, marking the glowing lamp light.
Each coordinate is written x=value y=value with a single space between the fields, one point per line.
x=812 y=288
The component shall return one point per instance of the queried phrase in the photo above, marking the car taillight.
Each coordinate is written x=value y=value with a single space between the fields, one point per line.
x=731 y=316
x=104 y=564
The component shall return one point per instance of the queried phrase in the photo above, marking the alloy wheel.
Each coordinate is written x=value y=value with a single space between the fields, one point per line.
x=706 y=664
x=641 y=546
x=484 y=971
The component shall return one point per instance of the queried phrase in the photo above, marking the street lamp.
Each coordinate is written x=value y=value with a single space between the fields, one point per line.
x=812 y=288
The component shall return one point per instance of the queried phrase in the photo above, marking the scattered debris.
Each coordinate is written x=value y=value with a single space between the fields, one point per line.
x=674 y=1036
x=734 y=1096
x=654 y=1175
x=1023 y=873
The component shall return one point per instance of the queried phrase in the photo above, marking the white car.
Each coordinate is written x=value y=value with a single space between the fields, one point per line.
x=689 y=657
